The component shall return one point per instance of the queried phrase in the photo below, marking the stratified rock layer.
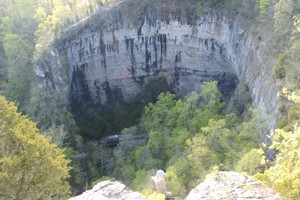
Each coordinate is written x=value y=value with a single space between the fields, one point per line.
x=119 y=50
x=112 y=57
x=109 y=190
x=110 y=60
x=232 y=186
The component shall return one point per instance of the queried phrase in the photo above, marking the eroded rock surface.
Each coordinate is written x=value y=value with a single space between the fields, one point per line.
x=109 y=190
x=223 y=185
x=232 y=186
x=112 y=57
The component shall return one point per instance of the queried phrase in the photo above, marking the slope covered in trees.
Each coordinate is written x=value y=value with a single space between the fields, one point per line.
x=188 y=138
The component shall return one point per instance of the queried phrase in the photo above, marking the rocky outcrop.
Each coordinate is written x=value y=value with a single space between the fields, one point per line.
x=51 y=73
x=109 y=190
x=232 y=186
x=116 y=54
x=223 y=185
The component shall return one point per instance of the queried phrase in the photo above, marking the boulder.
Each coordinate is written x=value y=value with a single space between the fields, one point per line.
x=109 y=190
x=232 y=186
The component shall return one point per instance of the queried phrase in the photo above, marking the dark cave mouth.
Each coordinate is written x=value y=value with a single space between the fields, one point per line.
x=96 y=121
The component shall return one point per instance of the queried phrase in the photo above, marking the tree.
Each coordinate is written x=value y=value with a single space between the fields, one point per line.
x=283 y=19
x=6 y=27
x=61 y=15
x=20 y=70
x=251 y=162
x=25 y=8
x=297 y=22
x=155 y=115
x=210 y=97
x=263 y=7
x=284 y=175
x=200 y=157
x=218 y=136
x=30 y=166
x=180 y=176
x=291 y=95
x=255 y=129
x=44 y=33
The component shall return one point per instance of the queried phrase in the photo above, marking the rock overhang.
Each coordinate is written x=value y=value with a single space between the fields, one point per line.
x=117 y=52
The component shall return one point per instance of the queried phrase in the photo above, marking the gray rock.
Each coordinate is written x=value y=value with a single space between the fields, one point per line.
x=109 y=190
x=232 y=186
x=112 y=55
x=121 y=50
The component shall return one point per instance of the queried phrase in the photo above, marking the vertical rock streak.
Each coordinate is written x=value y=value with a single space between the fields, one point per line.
x=110 y=54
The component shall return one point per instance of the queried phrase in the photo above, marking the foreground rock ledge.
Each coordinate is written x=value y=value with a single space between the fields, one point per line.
x=223 y=185
x=232 y=186
x=109 y=190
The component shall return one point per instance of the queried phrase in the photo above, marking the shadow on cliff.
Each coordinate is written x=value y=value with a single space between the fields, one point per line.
x=96 y=121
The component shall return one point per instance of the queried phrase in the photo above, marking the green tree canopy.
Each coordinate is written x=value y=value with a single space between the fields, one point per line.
x=30 y=166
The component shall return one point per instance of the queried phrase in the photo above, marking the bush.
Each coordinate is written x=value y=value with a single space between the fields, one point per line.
x=284 y=175
x=280 y=70
x=251 y=162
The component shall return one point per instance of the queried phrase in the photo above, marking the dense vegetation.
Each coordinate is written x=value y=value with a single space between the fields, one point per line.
x=30 y=166
x=284 y=174
x=185 y=137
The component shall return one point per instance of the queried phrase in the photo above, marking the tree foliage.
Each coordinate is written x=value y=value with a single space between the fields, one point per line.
x=284 y=175
x=264 y=6
x=18 y=52
x=30 y=166
x=188 y=137
x=283 y=17
x=252 y=162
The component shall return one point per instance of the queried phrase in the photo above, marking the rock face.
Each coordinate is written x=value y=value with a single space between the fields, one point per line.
x=119 y=52
x=232 y=186
x=109 y=190
x=51 y=73
x=224 y=185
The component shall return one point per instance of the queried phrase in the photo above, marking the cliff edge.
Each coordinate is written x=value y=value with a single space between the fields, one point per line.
x=128 y=53
x=223 y=185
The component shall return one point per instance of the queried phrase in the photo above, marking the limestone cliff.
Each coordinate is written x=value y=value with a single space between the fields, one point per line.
x=119 y=52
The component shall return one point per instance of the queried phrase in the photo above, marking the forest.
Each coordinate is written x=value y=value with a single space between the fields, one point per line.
x=44 y=155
